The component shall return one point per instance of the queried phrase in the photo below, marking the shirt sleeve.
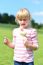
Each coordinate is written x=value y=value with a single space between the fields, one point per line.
x=34 y=37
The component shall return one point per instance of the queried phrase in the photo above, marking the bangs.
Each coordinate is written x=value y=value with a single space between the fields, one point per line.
x=22 y=14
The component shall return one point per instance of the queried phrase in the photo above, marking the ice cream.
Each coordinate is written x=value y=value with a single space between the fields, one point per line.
x=23 y=33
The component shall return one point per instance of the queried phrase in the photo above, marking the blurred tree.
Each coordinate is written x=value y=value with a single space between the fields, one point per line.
x=34 y=24
x=5 y=18
x=12 y=19
x=0 y=18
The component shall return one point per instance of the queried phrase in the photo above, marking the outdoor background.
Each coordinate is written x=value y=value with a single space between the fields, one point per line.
x=8 y=9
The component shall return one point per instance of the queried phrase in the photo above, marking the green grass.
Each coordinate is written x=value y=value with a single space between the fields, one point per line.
x=39 y=53
x=6 y=53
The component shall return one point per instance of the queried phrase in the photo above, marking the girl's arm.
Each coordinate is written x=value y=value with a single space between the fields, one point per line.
x=33 y=44
x=8 y=43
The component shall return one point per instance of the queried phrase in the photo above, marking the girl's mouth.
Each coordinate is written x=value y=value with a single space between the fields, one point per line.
x=22 y=24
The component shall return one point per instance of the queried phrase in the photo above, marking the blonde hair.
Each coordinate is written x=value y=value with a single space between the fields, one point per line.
x=23 y=13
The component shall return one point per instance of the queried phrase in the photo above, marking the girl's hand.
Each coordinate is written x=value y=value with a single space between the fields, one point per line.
x=28 y=44
x=6 y=41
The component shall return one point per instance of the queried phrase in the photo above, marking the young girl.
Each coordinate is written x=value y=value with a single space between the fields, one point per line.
x=24 y=39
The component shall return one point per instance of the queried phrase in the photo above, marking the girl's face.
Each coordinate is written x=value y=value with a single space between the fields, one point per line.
x=23 y=22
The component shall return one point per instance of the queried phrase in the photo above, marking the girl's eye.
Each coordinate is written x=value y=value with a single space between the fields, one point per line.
x=24 y=19
x=20 y=19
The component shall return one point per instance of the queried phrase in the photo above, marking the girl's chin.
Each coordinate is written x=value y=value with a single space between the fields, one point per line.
x=24 y=26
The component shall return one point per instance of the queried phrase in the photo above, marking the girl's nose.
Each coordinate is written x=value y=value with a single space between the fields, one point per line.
x=22 y=21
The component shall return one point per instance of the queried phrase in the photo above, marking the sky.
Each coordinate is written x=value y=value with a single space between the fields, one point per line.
x=34 y=6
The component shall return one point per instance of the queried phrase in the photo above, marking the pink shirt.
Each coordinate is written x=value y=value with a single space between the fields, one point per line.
x=21 y=53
